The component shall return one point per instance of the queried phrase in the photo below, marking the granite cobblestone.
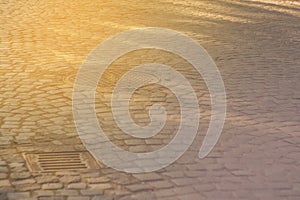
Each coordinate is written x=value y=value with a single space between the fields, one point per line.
x=255 y=45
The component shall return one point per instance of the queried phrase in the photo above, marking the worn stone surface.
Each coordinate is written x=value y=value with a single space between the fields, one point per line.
x=255 y=45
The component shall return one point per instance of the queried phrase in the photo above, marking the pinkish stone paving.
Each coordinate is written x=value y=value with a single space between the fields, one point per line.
x=255 y=45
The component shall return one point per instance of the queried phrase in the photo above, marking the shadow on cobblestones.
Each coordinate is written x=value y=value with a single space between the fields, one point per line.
x=255 y=44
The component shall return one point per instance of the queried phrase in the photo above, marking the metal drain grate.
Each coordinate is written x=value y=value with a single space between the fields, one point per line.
x=60 y=161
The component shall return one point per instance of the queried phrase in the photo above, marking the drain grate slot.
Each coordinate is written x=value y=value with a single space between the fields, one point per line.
x=57 y=161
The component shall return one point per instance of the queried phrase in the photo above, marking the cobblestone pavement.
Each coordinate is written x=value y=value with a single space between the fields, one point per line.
x=255 y=44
